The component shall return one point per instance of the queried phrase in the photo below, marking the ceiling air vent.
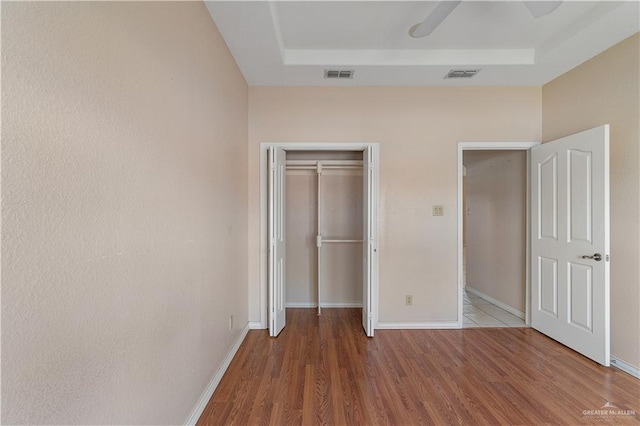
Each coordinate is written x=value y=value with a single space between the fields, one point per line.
x=338 y=73
x=461 y=73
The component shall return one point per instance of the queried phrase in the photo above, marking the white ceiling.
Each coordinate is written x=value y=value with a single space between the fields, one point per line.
x=291 y=43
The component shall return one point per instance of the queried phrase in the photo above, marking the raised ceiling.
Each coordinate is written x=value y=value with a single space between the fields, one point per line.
x=292 y=43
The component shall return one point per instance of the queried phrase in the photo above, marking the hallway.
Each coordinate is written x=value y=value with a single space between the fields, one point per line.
x=480 y=313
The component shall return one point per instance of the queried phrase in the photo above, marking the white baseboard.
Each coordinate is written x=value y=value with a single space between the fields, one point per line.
x=430 y=325
x=342 y=305
x=300 y=305
x=257 y=325
x=215 y=380
x=324 y=305
x=496 y=302
x=626 y=367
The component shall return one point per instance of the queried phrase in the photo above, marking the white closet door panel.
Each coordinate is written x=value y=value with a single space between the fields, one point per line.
x=369 y=247
x=277 y=241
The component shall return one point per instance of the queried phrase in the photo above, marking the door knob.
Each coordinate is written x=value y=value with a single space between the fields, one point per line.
x=597 y=257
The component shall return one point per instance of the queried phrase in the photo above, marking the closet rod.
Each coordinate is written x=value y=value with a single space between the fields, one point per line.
x=324 y=163
x=324 y=167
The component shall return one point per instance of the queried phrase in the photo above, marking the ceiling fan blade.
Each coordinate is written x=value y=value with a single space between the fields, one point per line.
x=439 y=14
x=542 y=8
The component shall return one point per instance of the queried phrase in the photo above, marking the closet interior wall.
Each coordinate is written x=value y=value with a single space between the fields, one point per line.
x=340 y=216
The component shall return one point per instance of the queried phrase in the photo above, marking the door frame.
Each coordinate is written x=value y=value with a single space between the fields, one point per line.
x=264 y=210
x=493 y=146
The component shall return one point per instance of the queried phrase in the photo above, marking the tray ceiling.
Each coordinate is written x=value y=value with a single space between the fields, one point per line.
x=292 y=43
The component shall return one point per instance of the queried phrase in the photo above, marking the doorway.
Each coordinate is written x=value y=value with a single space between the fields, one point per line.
x=273 y=206
x=494 y=238
x=488 y=147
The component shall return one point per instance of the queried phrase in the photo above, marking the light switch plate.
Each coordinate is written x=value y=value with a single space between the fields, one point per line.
x=438 y=210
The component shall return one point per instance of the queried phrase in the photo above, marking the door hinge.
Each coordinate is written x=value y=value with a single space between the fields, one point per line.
x=606 y=257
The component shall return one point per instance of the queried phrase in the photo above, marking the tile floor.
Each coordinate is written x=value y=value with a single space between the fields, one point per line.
x=480 y=313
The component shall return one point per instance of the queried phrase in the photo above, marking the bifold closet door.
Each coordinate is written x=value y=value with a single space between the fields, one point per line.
x=277 y=242
x=341 y=220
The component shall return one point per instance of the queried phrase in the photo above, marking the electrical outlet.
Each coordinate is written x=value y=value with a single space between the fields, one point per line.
x=408 y=300
x=230 y=322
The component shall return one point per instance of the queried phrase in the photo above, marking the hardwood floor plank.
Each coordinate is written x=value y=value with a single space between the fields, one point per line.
x=308 y=403
x=274 y=415
x=337 y=395
x=354 y=405
x=325 y=371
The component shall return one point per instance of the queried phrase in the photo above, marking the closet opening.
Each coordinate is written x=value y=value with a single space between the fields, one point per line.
x=322 y=227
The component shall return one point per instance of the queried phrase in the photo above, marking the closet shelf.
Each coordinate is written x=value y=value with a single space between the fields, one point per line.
x=326 y=164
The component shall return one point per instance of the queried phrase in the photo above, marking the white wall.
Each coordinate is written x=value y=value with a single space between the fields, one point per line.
x=124 y=210
x=418 y=129
x=496 y=191
x=606 y=90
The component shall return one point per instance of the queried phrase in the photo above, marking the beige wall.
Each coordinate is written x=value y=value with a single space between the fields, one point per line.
x=496 y=192
x=124 y=209
x=300 y=232
x=341 y=218
x=606 y=90
x=418 y=130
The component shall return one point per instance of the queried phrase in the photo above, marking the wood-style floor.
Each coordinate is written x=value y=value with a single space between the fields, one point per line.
x=325 y=371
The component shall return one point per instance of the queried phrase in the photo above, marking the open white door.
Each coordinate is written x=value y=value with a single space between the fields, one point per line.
x=570 y=241
x=369 y=238
x=277 y=248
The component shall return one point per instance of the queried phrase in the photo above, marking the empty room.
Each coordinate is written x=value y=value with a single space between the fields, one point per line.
x=312 y=212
